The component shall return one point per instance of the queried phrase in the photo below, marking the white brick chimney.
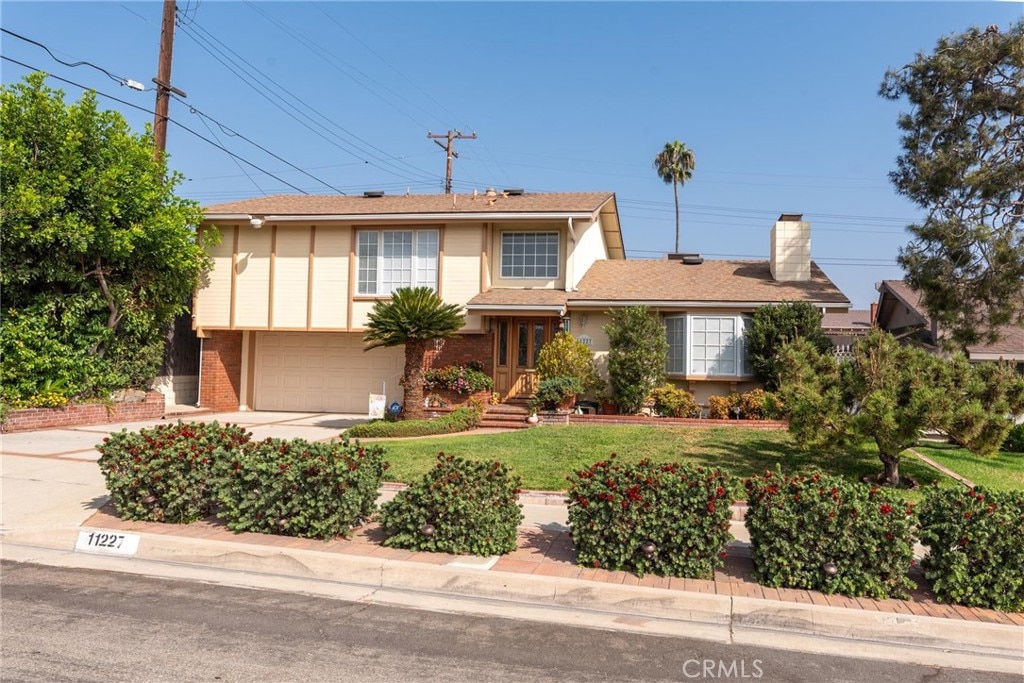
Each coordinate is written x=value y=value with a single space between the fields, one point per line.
x=791 y=249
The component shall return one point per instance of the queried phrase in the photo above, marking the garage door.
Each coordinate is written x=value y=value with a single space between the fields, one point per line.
x=322 y=372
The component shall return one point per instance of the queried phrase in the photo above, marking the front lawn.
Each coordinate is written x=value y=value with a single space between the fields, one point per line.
x=999 y=472
x=544 y=456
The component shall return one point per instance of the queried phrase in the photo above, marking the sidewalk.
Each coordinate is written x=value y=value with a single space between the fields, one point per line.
x=52 y=489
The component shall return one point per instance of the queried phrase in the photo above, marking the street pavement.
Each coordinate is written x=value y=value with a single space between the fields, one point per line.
x=52 y=489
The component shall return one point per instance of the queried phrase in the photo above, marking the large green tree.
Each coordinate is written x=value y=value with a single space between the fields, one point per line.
x=98 y=253
x=413 y=318
x=889 y=393
x=776 y=325
x=675 y=164
x=963 y=163
x=638 y=351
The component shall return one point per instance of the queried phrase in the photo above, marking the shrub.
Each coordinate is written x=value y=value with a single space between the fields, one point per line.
x=567 y=356
x=297 y=488
x=720 y=407
x=801 y=527
x=165 y=474
x=1014 y=441
x=775 y=325
x=975 y=555
x=462 y=379
x=552 y=391
x=615 y=509
x=460 y=506
x=459 y=420
x=756 y=404
x=670 y=401
x=638 y=352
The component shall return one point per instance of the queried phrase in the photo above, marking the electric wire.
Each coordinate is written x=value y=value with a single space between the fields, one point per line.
x=118 y=79
x=233 y=133
x=385 y=159
x=150 y=111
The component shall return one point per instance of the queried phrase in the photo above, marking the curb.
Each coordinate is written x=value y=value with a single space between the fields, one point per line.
x=721 y=618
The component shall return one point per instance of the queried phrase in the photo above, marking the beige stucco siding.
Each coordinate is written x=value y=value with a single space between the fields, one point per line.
x=361 y=309
x=330 y=278
x=252 y=284
x=213 y=302
x=589 y=247
x=291 y=277
x=460 y=272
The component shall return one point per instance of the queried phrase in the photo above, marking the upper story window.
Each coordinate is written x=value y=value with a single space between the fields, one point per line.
x=707 y=345
x=529 y=255
x=390 y=259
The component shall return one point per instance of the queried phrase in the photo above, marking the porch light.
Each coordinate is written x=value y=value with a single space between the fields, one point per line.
x=567 y=324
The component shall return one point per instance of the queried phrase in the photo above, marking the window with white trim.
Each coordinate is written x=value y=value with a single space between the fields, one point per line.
x=390 y=259
x=529 y=255
x=712 y=345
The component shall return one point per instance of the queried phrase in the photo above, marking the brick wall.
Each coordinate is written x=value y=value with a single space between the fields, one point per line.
x=78 y=414
x=463 y=348
x=221 y=378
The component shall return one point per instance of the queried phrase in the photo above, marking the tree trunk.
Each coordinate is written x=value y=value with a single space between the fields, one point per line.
x=413 y=380
x=891 y=477
x=675 y=192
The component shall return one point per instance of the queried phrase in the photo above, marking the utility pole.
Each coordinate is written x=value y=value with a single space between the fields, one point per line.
x=452 y=136
x=163 y=79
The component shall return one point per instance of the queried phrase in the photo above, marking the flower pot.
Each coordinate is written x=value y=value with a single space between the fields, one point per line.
x=567 y=404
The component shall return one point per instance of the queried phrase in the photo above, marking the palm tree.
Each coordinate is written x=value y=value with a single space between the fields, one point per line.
x=675 y=164
x=413 y=317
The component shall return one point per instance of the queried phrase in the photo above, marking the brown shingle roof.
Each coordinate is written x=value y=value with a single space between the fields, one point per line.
x=313 y=205
x=851 y=320
x=520 y=298
x=711 y=281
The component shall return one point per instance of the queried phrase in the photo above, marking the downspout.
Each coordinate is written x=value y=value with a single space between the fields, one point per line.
x=572 y=235
x=199 y=382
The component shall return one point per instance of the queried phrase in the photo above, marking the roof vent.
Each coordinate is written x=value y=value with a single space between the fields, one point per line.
x=370 y=194
x=515 y=192
x=687 y=259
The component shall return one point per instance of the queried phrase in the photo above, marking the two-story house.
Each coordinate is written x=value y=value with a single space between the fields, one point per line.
x=283 y=312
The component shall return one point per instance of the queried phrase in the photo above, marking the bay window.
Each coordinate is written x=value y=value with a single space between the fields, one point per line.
x=710 y=345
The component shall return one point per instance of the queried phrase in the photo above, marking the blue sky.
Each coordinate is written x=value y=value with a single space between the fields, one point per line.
x=778 y=101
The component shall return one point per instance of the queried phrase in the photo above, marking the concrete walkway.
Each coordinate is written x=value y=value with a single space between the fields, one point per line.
x=52 y=489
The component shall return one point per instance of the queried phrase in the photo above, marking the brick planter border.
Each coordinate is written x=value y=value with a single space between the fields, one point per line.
x=80 y=414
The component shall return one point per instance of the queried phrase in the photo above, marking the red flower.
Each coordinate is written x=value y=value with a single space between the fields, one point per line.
x=596 y=563
x=885 y=509
x=711 y=507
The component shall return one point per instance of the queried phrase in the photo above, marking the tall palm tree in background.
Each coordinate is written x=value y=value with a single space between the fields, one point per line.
x=414 y=317
x=675 y=164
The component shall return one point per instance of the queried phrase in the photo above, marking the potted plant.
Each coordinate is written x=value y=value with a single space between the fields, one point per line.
x=557 y=393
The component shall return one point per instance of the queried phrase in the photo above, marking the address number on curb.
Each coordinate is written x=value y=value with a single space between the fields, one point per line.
x=107 y=542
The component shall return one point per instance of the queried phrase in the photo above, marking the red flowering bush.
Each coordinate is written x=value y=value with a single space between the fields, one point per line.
x=975 y=548
x=165 y=473
x=460 y=506
x=827 y=534
x=667 y=519
x=297 y=488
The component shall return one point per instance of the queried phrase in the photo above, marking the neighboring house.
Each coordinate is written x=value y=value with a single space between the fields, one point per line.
x=846 y=328
x=282 y=315
x=901 y=312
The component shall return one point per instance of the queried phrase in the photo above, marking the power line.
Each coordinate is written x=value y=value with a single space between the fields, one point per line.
x=127 y=82
x=233 y=133
x=260 y=88
x=150 y=111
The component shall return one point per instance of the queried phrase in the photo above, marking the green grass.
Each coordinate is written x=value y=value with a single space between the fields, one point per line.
x=545 y=456
x=999 y=472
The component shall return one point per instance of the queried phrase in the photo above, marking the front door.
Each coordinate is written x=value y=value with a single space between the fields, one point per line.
x=517 y=343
